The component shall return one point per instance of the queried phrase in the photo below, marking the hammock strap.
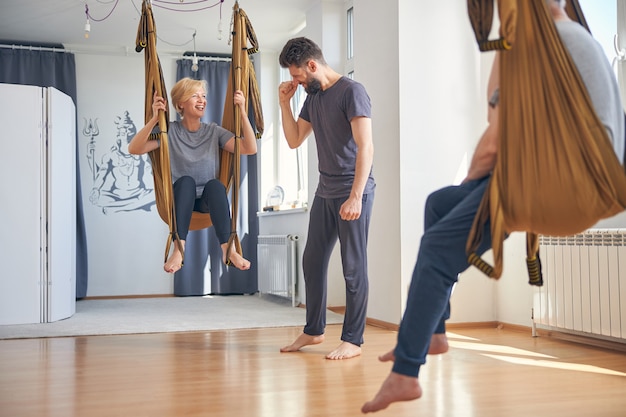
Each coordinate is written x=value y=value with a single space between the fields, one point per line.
x=481 y=18
x=242 y=77
x=154 y=83
x=236 y=74
x=533 y=262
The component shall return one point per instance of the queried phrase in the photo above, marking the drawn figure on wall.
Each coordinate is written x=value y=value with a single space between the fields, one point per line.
x=118 y=180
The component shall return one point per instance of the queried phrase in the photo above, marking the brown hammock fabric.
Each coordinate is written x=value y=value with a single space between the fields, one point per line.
x=556 y=172
x=229 y=163
x=146 y=39
x=481 y=18
x=241 y=77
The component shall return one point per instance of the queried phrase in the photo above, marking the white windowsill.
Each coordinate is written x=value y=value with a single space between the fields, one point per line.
x=281 y=212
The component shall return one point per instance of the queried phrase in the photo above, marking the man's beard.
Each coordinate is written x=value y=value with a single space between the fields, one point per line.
x=313 y=86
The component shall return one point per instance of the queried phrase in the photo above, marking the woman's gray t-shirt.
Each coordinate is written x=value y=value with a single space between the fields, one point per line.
x=196 y=154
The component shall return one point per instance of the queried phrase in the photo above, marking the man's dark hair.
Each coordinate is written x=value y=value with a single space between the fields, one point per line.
x=299 y=51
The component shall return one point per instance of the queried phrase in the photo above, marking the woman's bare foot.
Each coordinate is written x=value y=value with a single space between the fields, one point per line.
x=303 y=340
x=175 y=261
x=234 y=258
x=345 y=350
x=396 y=388
x=438 y=344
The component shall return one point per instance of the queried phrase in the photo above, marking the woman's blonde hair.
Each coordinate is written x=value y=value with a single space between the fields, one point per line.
x=183 y=90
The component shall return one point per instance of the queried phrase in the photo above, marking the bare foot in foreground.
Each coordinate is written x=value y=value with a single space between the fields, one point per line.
x=175 y=261
x=302 y=341
x=396 y=388
x=235 y=259
x=345 y=350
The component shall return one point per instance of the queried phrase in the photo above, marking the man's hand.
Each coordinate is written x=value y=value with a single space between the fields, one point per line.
x=351 y=209
x=286 y=90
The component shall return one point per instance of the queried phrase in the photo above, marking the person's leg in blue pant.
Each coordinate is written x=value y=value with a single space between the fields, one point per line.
x=438 y=205
x=440 y=259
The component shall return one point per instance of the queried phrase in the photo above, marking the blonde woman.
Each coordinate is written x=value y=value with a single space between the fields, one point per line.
x=194 y=148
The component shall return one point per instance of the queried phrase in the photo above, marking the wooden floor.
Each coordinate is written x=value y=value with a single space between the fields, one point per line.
x=241 y=373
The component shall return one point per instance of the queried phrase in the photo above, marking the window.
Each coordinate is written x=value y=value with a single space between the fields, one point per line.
x=284 y=171
x=350 y=42
x=350 y=34
x=290 y=165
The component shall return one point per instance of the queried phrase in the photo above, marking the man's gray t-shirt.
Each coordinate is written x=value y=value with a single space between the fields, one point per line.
x=196 y=154
x=599 y=79
x=330 y=112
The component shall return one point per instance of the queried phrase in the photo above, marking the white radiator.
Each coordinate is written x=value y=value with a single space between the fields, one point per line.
x=277 y=257
x=584 y=290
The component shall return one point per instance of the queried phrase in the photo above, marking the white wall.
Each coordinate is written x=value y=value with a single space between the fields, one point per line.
x=125 y=248
x=427 y=84
x=376 y=56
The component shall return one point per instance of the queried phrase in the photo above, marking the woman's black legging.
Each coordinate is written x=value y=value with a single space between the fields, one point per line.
x=213 y=201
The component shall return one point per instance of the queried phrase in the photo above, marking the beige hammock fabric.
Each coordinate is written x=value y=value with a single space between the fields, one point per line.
x=556 y=172
x=242 y=78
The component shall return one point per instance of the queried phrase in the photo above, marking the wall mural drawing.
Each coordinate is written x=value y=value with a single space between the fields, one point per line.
x=119 y=178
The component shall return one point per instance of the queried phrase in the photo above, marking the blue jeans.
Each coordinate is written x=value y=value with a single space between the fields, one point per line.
x=448 y=219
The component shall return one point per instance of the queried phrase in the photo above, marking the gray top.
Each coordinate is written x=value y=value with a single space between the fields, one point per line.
x=598 y=76
x=330 y=112
x=196 y=154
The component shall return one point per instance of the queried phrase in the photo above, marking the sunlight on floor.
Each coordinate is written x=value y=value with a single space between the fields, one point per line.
x=452 y=335
x=557 y=365
x=522 y=356
x=495 y=349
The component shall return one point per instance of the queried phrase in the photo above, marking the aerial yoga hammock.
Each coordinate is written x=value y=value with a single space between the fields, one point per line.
x=241 y=77
x=556 y=172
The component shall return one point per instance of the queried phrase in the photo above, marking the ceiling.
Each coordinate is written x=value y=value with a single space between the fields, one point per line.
x=114 y=23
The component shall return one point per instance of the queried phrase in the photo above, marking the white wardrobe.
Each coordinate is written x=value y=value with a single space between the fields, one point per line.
x=38 y=206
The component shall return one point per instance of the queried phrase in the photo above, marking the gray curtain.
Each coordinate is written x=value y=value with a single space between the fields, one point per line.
x=51 y=69
x=203 y=254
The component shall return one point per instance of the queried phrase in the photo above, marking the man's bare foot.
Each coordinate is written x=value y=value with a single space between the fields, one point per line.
x=303 y=340
x=175 y=261
x=386 y=357
x=438 y=344
x=235 y=259
x=345 y=350
x=396 y=388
